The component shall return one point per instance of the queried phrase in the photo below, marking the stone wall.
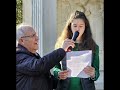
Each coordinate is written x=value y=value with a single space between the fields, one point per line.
x=95 y=14
x=93 y=10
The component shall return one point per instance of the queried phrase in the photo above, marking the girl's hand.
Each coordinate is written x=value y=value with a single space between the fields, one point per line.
x=90 y=71
x=63 y=74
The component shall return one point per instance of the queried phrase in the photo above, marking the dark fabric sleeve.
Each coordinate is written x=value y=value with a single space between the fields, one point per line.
x=95 y=63
x=33 y=66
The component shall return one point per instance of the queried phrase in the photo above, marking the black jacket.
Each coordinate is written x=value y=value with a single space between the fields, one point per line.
x=32 y=71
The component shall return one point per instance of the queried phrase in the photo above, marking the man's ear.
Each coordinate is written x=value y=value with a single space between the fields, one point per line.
x=21 y=41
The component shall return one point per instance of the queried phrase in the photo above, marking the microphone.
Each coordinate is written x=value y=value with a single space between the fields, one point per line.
x=75 y=35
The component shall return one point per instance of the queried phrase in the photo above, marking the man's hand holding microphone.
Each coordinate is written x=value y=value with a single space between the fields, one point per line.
x=68 y=43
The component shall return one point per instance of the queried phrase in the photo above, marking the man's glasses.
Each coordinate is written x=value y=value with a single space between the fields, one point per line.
x=31 y=36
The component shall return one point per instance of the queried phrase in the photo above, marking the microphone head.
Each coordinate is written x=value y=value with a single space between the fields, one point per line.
x=75 y=35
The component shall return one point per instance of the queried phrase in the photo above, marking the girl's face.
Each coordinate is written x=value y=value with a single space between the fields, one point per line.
x=78 y=25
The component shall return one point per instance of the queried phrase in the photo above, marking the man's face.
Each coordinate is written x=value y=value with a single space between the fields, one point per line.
x=30 y=41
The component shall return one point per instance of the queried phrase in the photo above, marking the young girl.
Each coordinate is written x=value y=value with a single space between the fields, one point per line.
x=78 y=22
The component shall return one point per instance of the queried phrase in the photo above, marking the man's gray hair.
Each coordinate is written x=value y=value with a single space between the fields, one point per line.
x=21 y=29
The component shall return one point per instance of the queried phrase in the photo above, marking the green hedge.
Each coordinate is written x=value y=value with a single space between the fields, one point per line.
x=19 y=12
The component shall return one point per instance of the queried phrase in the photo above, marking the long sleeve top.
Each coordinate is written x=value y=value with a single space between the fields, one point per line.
x=75 y=82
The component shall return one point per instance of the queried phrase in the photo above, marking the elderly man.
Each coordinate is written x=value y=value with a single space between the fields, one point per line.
x=33 y=71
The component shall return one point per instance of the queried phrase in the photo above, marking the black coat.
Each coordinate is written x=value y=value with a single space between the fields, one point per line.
x=32 y=71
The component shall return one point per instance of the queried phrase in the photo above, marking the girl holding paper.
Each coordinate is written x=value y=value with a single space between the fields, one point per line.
x=78 y=22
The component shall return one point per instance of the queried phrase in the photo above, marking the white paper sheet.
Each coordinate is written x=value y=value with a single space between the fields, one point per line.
x=77 y=61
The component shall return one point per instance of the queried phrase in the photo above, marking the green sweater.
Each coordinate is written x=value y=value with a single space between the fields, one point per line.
x=75 y=82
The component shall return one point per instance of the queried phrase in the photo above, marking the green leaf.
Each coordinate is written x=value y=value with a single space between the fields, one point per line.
x=19 y=12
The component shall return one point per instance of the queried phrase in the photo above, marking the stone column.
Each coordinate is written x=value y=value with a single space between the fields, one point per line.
x=37 y=21
x=27 y=11
x=49 y=25
x=33 y=15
